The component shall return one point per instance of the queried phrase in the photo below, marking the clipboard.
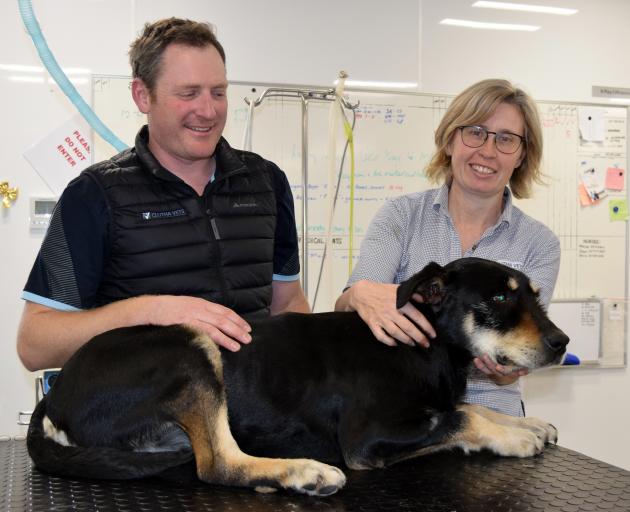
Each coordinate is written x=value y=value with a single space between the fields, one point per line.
x=581 y=320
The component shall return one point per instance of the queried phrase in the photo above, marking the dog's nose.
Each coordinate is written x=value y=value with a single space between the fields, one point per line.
x=556 y=340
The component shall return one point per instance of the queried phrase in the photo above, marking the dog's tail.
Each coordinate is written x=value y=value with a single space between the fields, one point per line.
x=96 y=462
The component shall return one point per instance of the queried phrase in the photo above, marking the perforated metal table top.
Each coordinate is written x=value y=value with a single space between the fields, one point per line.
x=557 y=480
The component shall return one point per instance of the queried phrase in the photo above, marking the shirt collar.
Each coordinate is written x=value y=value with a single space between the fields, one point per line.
x=147 y=158
x=508 y=207
x=227 y=161
x=440 y=203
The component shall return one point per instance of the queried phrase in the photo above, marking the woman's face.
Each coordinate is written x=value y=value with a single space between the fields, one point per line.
x=485 y=171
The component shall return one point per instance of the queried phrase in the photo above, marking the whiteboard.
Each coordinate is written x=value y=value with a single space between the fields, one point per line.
x=581 y=321
x=393 y=143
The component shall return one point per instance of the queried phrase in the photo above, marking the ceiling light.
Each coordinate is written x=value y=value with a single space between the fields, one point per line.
x=30 y=79
x=20 y=68
x=380 y=85
x=488 y=26
x=525 y=7
x=27 y=79
x=38 y=69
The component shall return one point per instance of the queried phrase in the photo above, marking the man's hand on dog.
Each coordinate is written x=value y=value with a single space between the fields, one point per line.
x=500 y=374
x=376 y=305
x=221 y=324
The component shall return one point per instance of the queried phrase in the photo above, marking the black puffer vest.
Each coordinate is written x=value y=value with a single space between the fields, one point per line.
x=165 y=239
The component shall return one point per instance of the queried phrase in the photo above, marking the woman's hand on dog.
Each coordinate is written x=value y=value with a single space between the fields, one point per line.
x=376 y=305
x=221 y=324
x=500 y=374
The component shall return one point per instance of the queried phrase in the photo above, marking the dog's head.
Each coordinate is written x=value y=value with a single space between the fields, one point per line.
x=489 y=309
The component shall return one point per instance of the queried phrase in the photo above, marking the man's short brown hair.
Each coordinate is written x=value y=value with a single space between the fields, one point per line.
x=145 y=53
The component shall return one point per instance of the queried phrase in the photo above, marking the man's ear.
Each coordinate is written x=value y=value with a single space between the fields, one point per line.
x=141 y=95
x=429 y=283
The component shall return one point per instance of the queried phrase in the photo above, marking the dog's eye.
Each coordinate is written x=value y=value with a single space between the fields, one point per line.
x=501 y=297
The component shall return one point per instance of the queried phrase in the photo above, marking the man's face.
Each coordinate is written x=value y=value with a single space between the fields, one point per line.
x=187 y=108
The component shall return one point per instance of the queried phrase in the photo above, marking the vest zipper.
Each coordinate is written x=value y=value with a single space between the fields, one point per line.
x=216 y=236
x=215 y=229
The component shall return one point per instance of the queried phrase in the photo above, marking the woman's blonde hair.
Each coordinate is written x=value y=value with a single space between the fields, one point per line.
x=473 y=106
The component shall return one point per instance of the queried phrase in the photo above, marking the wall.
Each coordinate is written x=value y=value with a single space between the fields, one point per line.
x=558 y=62
x=298 y=42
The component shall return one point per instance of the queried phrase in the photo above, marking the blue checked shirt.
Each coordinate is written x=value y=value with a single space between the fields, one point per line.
x=410 y=231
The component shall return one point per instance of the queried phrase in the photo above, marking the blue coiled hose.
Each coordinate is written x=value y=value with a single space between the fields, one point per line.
x=49 y=61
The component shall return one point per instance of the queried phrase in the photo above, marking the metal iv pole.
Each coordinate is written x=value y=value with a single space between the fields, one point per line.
x=305 y=96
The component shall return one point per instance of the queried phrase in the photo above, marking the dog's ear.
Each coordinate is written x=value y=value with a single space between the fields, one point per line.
x=429 y=283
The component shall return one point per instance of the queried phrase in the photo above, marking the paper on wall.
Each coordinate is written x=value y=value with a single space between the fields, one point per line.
x=63 y=154
x=591 y=122
x=615 y=178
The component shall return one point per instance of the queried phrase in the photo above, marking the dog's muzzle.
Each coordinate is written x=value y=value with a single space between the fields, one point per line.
x=556 y=341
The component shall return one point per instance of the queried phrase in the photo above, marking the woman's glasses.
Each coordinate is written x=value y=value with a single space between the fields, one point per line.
x=475 y=136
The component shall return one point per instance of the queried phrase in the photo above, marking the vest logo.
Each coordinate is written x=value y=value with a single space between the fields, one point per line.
x=163 y=215
x=244 y=205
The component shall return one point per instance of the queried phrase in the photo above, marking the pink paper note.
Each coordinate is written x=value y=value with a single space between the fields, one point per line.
x=615 y=178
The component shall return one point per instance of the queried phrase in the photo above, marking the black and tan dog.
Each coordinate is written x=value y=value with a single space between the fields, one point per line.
x=140 y=401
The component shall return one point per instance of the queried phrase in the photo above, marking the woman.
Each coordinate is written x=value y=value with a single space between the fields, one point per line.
x=488 y=148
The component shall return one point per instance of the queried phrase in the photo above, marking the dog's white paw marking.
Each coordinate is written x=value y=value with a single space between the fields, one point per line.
x=546 y=431
x=52 y=432
x=264 y=489
x=519 y=442
x=315 y=478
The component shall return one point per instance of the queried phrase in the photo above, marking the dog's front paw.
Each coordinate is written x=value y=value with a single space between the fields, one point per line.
x=314 y=478
x=545 y=431
x=518 y=442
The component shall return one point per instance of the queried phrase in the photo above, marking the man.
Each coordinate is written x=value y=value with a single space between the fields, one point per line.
x=181 y=228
